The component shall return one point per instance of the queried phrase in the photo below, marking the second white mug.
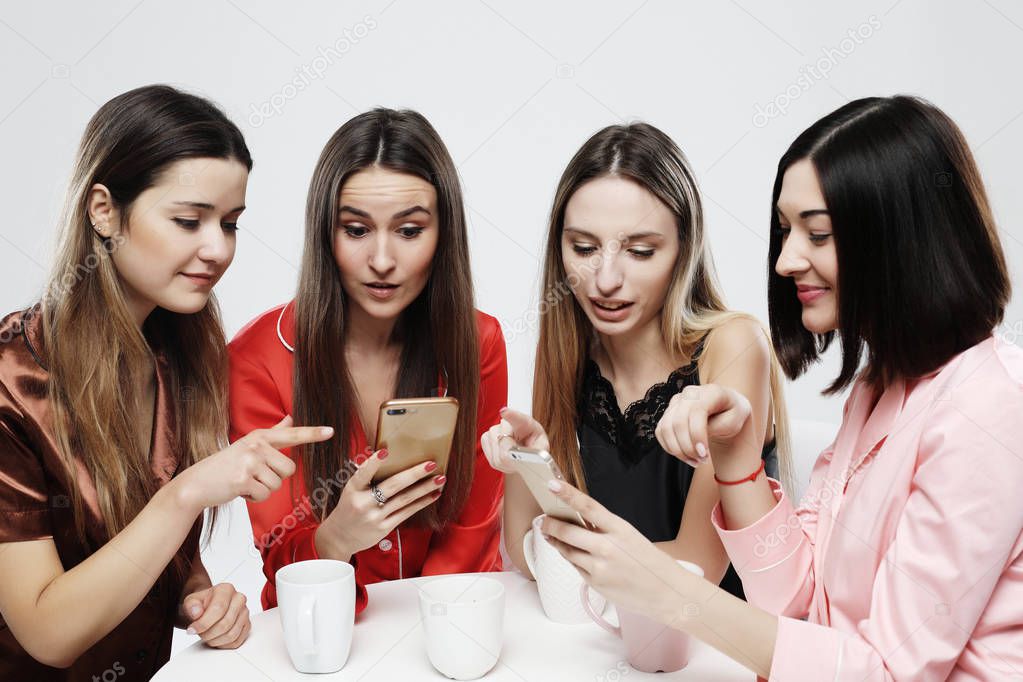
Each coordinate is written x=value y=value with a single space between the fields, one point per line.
x=557 y=581
x=463 y=624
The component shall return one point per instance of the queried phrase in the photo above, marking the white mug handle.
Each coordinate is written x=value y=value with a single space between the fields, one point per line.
x=306 y=627
x=528 y=552
x=584 y=595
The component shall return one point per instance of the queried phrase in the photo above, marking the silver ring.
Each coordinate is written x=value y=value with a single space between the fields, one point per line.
x=378 y=495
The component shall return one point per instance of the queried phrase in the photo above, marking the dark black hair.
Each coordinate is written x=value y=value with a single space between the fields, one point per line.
x=921 y=273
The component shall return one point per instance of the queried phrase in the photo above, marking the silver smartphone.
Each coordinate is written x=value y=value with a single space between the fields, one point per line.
x=537 y=467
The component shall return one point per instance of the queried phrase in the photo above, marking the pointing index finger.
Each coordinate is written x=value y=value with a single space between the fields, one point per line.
x=289 y=436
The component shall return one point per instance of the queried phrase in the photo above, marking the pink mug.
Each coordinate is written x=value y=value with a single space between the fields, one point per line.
x=650 y=646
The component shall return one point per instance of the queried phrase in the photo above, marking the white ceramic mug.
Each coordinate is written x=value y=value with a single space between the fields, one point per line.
x=316 y=601
x=650 y=646
x=557 y=581
x=463 y=621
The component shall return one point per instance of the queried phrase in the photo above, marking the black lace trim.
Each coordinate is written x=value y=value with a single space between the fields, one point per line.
x=632 y=432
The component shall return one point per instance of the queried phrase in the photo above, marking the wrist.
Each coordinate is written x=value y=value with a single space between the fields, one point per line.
x=738 y=468
x=180 y=493
x=330 y=547
x=689 y=592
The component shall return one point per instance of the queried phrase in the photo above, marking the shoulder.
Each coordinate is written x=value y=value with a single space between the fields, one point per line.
x=263 y=334
x=11 y=339
x=740 y=342
x=489 y=331
x=20 y=343
x=985 y=383
x=973 y=426
x=23 y=380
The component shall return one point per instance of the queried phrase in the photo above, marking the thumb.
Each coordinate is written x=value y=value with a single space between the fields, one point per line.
x=286 y=422
x=364 y=474
x=195 y=603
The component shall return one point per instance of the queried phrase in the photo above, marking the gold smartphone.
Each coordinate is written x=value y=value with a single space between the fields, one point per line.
x=537 y=467
x=415 y=430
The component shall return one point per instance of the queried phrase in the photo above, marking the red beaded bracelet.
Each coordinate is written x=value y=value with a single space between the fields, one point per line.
x=751 y=478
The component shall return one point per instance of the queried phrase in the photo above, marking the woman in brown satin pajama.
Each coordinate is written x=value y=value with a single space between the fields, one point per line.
x=113 y=413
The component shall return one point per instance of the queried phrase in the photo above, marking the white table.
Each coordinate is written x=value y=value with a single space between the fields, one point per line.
x=388 y=645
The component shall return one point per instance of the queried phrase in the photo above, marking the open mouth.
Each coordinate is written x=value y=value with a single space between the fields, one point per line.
x=610 y=306
x=382 y=291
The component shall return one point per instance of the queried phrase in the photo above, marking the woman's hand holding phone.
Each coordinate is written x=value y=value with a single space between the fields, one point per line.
x=516 y=429
x=359 y=521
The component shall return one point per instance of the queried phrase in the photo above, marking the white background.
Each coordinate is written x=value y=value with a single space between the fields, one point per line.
x=514 y=88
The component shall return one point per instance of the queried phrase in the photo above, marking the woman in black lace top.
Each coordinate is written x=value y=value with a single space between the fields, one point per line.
x=626 y=468
x=631 y=316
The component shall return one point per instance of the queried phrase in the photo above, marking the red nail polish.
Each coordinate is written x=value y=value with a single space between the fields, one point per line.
x=440 y=480
x=359 y=459
x=430 y=466
x=382 y=454
x=435 y=494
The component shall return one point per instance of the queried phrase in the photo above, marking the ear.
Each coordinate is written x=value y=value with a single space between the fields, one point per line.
x=103 y=213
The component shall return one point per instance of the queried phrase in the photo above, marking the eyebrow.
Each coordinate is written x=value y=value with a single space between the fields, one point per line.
x=400 y=214
x=632 y=237
x=803 y=215
x=204 y=206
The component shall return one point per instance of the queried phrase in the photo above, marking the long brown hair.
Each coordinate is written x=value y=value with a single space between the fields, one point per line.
x=97 y=357
x=438 y=330
x=693 y=305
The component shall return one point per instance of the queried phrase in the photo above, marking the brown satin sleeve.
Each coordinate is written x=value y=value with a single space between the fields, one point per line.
x=24 y=500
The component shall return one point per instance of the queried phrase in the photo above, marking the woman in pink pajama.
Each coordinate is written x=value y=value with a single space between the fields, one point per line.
x=904 y=560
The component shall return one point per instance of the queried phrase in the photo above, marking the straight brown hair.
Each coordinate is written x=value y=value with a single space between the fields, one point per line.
x=438 y=330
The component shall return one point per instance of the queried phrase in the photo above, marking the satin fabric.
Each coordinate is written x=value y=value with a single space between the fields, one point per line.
x=35 y=504
x=284 y=527
x=905 y=555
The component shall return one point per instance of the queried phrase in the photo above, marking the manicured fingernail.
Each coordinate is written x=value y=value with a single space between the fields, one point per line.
x=190 y=630
x=327 y=431
x=382 y=454
x=195 y=611
x=359 y=459
x=440 y=480
x=435 y=494
x=701 y=450
x=554 y=486
x=430 y=466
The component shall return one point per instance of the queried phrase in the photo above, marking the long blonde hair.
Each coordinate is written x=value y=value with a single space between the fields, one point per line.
x=97 y=357
x=693 y=305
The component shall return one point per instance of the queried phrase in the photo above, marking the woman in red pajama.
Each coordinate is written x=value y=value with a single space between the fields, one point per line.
x=384 y=310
